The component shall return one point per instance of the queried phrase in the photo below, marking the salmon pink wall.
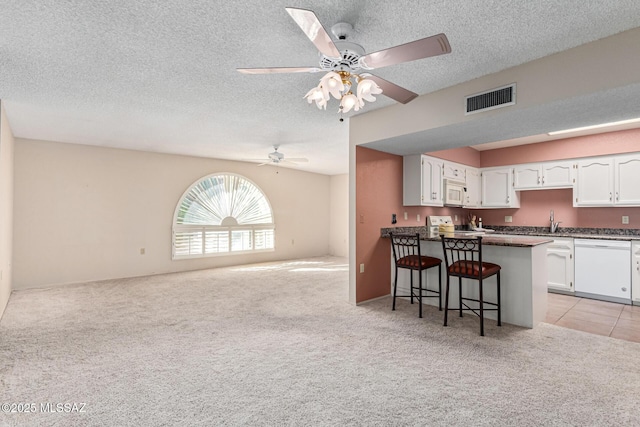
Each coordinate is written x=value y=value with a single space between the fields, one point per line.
x=535 y=206
x=465 y=155
x=378 y=196
x=624 y=141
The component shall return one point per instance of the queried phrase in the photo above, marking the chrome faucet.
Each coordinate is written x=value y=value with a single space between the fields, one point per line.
x=553 y=227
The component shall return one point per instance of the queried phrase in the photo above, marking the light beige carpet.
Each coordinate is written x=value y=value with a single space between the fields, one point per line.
x=277 y=344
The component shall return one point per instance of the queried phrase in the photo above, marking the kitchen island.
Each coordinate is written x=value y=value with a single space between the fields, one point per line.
x=523 y=276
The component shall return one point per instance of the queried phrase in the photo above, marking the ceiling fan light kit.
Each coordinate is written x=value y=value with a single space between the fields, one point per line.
x=342 y=60
x=338 y=84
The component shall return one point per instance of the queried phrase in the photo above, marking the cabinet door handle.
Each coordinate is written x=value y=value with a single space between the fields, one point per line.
x=543 y=180
x=610 y=196
x=617 y=197
x=538 y=180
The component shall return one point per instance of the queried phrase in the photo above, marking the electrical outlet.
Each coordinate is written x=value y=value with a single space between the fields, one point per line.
x=361 y=218
x=142 y=251
x=362 y=268
x=406 y=216
x=625 y=219
x=455 y=217
x=508 y=218
x=418 y=217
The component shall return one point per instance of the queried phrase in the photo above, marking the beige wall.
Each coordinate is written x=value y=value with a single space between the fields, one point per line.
x=6 y=209
x=339 y=208
x=84 y=212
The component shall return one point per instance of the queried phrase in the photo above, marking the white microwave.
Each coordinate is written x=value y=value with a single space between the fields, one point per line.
x=454 y=192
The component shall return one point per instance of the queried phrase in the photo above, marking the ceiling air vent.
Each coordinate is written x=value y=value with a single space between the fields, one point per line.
x=495 y=98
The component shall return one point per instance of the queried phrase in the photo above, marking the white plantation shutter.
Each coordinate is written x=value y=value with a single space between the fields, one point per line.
x=222 y=214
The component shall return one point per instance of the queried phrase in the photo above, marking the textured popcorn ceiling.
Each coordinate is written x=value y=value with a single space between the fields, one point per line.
x=160 y=75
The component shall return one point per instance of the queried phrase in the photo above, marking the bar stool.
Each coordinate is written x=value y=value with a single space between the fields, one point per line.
x=406 y=254
x=463 y=259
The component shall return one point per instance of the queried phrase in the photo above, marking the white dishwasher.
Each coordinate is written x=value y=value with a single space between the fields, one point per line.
x=603 y=269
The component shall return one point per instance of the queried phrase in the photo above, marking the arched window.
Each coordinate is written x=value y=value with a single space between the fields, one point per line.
x=222 y=214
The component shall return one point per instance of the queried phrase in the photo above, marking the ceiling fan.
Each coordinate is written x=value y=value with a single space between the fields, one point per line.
x=343 y=62
x=276 y=158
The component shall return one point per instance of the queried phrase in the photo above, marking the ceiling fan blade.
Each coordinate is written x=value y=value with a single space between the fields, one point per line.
x=393 y=91
x=279 y=70
x=418 y=49
x=296 y=160
x=308 y=21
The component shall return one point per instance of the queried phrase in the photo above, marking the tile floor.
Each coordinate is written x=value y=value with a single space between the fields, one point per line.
x=597 y=317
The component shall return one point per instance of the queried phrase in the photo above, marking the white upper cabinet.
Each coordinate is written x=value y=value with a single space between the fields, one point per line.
x=557 y=174
x=422 y=181
x=497 y=188
x=594 y=182
x=538 y=176
x=527 y=177
x=454 y=171
x=608 y=181
x=473 y=196
x=627 y=180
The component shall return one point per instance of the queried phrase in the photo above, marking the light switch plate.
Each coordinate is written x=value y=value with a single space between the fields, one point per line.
x=508 y=218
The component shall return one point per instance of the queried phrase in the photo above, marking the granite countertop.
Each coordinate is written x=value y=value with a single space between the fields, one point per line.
x=543 y=232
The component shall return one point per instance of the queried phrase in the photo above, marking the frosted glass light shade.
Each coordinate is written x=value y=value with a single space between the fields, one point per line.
x=348 y=102
x=331 y=84
x=316 y=95
x=366 y=89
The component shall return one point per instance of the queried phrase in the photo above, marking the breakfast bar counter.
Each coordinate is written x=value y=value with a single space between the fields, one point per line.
x=523 y=274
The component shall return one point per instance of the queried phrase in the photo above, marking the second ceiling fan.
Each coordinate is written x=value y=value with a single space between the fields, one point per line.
x=343 y=62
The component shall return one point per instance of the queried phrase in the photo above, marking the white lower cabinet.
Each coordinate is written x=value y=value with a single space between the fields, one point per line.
x=560 y=265
x=635 y=272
